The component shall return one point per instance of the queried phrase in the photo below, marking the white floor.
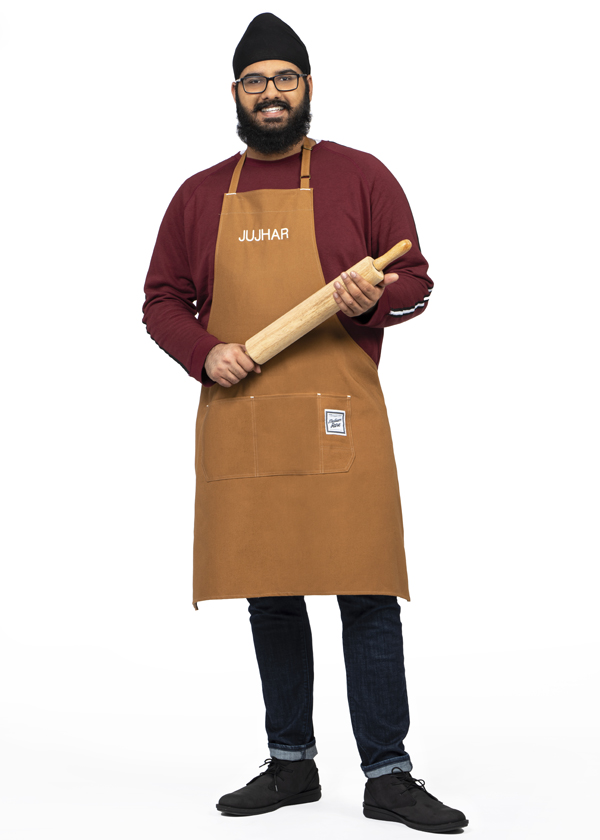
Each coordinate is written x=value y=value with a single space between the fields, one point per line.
x=96 y=790
x=133 y=723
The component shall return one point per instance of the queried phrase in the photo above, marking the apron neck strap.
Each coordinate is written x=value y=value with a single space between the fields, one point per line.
x=304 y=169
x=236 y=175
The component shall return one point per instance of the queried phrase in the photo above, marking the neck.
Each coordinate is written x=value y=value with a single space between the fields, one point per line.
x=252 y=153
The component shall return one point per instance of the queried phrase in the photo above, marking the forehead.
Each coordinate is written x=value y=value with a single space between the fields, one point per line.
x=270 y=68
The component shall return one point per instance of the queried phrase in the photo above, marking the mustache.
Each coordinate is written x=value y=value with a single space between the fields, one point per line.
x=270 y=103
x=276 y=135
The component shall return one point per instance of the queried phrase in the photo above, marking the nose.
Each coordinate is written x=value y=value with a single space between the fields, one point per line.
x=270 y=84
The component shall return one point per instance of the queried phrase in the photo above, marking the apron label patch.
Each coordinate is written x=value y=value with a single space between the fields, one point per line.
x=335 y=422
x=259 y=235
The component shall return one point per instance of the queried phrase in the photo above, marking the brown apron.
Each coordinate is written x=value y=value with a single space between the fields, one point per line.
x=296 y=484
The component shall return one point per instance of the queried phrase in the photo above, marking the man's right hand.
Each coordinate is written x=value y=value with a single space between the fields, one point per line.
x=228 y=364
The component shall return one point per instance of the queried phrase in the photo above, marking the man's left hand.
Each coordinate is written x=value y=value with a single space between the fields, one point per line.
x=361 y=295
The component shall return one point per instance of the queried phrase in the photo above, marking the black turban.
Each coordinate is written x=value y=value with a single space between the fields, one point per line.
x=268 y=37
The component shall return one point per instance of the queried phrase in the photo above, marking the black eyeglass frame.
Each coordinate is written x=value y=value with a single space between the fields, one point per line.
x=270 y=79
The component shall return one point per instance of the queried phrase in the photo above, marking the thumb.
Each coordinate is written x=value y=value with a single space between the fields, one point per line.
x=256 y=368
x=389 y=278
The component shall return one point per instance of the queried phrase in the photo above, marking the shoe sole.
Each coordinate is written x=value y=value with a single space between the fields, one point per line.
x=374 y=813
x=297 y=799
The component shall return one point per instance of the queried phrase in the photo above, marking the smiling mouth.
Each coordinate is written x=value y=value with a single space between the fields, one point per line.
x=275 y=110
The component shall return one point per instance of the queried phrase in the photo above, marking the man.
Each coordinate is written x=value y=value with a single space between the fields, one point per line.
x=297 y=490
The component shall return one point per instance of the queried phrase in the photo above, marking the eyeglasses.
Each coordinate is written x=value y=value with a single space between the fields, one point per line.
x=258 y=84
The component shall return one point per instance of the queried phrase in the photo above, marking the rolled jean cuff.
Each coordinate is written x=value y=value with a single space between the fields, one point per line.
x=295 y=753
x=372 y=771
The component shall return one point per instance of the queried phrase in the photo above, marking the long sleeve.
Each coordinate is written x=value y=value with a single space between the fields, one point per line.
x=392 y=221
x=172 y=300
x=359 y=208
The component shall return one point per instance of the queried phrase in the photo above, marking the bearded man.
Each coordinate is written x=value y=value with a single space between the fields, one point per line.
x=296 y=483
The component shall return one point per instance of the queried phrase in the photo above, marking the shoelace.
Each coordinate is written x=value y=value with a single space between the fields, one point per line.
x=404 y=777
x=274 y=768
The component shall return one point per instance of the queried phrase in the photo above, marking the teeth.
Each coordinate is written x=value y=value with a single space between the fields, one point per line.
x=272 y=109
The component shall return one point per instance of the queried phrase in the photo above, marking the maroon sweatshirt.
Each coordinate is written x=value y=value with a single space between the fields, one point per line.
x=360 y=209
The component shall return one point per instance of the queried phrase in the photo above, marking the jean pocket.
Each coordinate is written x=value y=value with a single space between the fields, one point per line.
x=282 y=434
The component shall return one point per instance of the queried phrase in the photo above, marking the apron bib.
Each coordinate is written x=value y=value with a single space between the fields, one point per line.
x=296 y=483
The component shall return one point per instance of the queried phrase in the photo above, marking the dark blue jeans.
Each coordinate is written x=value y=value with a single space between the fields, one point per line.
x=376 y=684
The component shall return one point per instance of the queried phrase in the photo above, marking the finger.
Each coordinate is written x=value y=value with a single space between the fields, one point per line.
x=361 y=291
x=252 y=366
x=238 y=362
x=389 y=278
x=230 y=373
x=352 y=296
x=365 y=287
x=231 y=378
x=247 y=362
x=343 y=308
x=349 y=306
x=227 y=369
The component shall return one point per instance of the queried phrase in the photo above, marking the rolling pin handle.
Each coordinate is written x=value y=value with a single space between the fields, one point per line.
x=397 y=251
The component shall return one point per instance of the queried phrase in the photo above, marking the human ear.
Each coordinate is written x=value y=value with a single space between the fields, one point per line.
x=309 y=82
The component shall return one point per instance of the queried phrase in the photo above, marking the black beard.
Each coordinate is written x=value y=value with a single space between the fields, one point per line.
x=274 y=140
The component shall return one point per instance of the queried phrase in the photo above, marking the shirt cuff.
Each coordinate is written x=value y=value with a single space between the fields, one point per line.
x=373 y=317
x=200 y=351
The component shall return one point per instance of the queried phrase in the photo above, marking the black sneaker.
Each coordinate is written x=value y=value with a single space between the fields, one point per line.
x=397 y=797
x=282 y=783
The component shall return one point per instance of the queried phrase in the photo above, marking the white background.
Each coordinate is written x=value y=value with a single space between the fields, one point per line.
x=126 y=713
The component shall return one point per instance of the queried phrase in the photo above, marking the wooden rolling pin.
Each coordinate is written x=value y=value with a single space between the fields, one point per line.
x=315 y=309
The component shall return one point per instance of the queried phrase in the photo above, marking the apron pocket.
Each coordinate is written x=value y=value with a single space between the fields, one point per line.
x=281 y=434
x=228 y=439
x=287 y=438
